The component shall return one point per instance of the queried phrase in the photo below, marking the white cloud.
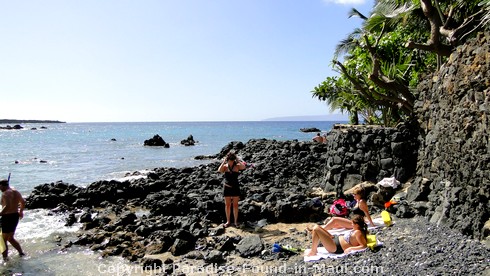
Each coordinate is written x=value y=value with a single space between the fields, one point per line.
x=346 y=2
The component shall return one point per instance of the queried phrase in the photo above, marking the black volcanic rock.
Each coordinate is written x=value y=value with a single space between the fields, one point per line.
x=189 y=141
x=309 y=129
x=156 y=141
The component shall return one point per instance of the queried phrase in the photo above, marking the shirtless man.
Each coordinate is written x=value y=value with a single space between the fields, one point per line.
x=12 y=210
x=318 y=138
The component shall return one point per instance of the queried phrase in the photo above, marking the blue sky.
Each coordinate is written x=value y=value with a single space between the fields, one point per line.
x=168 y=60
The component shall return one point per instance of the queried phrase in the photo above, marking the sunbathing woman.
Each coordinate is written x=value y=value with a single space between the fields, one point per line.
x=353 y=240
x=361 y=208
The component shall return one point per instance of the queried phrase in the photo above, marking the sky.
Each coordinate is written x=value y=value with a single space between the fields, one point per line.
x=168 y=60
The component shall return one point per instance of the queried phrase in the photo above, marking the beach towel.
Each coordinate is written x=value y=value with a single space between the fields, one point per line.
x=378 y=222
x=322 y=253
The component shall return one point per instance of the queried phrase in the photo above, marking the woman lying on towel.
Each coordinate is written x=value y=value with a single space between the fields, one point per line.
x=353 y=240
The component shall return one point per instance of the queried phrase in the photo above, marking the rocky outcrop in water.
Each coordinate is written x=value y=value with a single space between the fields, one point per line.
x=189 y=141
x=9 y=127
x=309 y=129
x=156 y=141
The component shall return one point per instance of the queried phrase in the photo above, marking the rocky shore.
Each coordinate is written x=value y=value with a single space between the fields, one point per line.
x=171 y=219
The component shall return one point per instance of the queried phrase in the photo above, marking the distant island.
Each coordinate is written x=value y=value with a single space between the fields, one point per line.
x=11 y=121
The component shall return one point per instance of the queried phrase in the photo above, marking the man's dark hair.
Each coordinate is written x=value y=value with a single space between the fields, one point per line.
x=4 y=182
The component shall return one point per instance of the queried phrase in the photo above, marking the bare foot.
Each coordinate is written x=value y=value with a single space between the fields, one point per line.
x=311 y=253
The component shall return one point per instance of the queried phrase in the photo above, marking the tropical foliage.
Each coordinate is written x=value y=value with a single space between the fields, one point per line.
x=381 y=63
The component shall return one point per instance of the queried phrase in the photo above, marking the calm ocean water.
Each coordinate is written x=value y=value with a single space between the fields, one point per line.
x=81 y=153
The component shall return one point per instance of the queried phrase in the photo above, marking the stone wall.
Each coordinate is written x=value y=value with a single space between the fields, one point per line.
x=369 y=153
x=452 y=184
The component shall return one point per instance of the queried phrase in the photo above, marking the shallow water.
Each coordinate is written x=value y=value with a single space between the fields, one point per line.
x=42 y=237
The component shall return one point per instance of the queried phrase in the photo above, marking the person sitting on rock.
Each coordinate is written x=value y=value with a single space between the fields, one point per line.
x=353 y=240
x=361 y=208
x=318 y=138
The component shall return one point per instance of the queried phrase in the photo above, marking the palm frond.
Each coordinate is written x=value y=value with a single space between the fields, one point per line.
x=389 y=13
x=348 y=43
x=485 y=4
x=355 y=13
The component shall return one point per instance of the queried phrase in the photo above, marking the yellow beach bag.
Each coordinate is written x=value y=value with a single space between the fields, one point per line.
x=372 y=242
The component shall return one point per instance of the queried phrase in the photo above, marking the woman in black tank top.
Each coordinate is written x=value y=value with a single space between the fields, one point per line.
x=360 y=209
x=231 y=168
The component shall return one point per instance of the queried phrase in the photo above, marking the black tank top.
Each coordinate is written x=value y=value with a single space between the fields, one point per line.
x=231 y=177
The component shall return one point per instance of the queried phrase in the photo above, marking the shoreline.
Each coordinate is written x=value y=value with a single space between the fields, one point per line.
x=186 y=210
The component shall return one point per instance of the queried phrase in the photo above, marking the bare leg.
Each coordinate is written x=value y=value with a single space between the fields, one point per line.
x=235 y=208
x=16 y=245
x=337 y=222
x=314 y=243
x=321 y=235
x=5 y=253
x=227 y=210
x=10 y=238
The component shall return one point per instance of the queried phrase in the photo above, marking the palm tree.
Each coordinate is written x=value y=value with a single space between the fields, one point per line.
x=382 y=60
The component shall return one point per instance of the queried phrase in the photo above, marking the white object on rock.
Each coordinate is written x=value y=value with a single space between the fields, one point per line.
x=389 y=182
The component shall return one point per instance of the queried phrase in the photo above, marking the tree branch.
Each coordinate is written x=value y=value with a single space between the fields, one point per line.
x=434 y=44
x=369 y=93
x=356 y=84
x=386 y=83
x=455 y=35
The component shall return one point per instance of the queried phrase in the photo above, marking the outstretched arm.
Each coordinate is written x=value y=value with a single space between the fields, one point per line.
x=364 y=207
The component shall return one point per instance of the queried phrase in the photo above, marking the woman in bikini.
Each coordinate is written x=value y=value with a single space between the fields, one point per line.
x=353 y=240
x=231 y=168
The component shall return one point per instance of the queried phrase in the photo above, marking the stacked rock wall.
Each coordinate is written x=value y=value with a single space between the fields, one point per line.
x=453 y=170
x=369 y=153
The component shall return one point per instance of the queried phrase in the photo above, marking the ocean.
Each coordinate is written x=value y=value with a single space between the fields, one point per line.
x=82 y=153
